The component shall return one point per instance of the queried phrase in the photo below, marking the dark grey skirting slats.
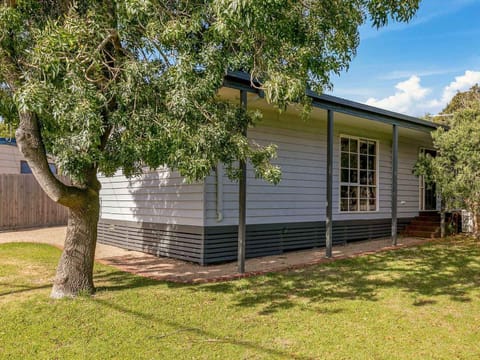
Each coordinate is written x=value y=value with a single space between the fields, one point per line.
x=273 y=239
x=176 y=241
x=262 y=240
x=215 y=244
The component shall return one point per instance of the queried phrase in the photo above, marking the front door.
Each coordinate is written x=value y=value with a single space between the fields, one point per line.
x=427 y=195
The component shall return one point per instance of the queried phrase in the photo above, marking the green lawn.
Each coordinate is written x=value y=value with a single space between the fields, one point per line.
x=417 y=303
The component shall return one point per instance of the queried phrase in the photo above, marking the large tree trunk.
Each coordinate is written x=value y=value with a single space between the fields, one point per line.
x=75 y=269
x=475 y=224
x=443 y=226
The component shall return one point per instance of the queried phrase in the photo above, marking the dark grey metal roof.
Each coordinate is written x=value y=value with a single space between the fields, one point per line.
x=240 y=80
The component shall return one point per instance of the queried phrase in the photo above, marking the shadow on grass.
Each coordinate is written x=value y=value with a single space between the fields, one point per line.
x=206 y=336
x=448 y=269
x=108 y=280
x=22 y=288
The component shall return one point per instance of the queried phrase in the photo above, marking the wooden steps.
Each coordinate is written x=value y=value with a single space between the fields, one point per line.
x=425 y=225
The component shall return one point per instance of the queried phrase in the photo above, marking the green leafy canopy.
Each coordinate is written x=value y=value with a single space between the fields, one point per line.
x=134 y=83
x=6 y=130
x=456 y=167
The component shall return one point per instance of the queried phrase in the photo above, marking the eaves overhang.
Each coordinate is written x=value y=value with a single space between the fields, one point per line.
x=241 y=81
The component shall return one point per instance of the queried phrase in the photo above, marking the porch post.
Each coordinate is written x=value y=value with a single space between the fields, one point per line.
x=394 y=183
x=242 y=201
x=328 y=223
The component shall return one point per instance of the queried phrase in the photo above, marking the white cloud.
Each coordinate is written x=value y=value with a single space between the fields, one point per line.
x=412 y=98
x=409 y=93
x=461 y=83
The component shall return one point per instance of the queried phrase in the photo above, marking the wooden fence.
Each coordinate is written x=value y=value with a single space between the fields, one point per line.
x=23 y=204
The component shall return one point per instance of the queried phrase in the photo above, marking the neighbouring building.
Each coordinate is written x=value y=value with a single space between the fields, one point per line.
x=11 y=159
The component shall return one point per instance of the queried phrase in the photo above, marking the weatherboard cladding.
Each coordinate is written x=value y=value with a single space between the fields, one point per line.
x=160 y=196
x=280 y=218
x=301 y=194
x=10 y=157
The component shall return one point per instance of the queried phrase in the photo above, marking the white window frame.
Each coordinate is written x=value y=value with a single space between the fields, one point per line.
x=377 y=173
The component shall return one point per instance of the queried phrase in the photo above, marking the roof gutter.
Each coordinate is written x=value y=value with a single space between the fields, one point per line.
x=241 y=81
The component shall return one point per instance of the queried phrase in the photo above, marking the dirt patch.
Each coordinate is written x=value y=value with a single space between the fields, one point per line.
x=183 y=272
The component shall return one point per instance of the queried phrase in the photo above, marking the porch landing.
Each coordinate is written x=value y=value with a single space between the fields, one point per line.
x=166 y=269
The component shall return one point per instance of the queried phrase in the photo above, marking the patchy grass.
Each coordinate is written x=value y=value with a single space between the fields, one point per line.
x=417 y=303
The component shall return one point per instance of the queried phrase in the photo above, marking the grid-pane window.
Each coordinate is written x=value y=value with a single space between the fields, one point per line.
x=358 y=174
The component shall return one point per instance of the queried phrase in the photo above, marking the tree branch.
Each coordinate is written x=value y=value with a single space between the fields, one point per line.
x=31 y=145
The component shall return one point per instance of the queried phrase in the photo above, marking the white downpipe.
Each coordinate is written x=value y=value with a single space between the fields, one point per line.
x=219 y=171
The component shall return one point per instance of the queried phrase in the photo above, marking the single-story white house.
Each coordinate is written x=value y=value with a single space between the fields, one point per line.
x=346 y=176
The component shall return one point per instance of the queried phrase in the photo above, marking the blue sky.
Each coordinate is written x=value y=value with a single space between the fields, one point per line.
x=416 y=68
